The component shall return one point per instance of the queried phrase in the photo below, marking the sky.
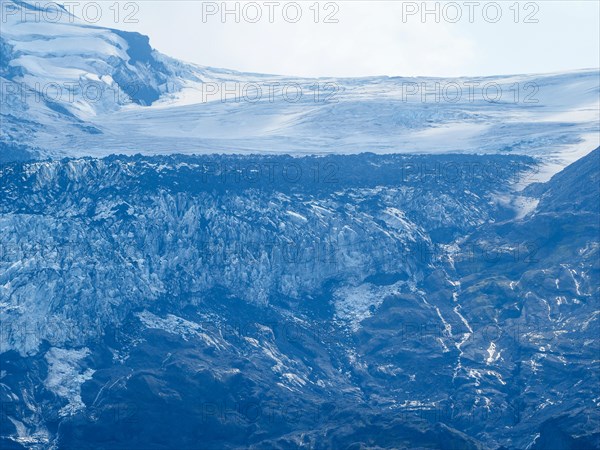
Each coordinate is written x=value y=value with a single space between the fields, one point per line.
x=368 y=38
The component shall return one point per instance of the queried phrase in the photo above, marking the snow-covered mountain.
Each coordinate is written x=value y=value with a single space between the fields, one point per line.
x=367 y=268
x=121 y=96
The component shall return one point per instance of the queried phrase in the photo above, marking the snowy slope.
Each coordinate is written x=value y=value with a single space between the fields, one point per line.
x=376 y=115
x=153 y=104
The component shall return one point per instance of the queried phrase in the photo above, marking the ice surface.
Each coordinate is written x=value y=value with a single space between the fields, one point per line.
x=185 y=108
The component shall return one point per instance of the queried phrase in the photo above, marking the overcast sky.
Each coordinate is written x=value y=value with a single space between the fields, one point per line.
x=360 y=38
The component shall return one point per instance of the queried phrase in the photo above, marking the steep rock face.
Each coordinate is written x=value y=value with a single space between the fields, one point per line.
x=266 y=301
x=540 y=292
x=260 y=300
x=573 y=190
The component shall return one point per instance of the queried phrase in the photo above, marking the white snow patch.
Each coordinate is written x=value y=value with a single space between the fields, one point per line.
x=353 y=304
x=493 y=356
x=179 y=326
x=66 y=375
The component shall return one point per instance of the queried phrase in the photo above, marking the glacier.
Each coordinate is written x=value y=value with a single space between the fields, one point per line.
x=198 y=258
x=122 y=96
